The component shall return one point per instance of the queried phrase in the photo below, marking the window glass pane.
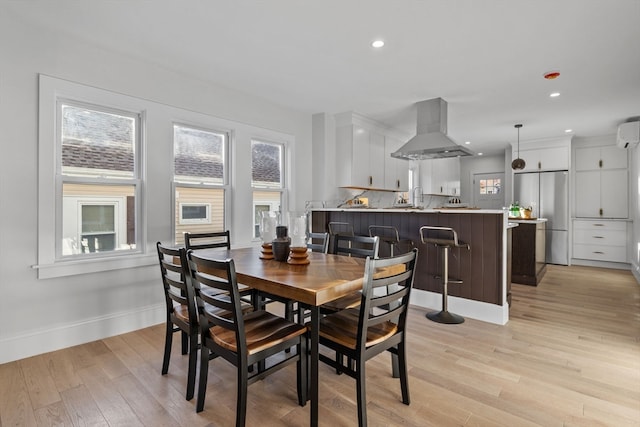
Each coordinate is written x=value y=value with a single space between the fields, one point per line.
x=97 y=218
x=97 y=143
x=264 y=201
x=198 y=210
x=266 y=165
x=198 y=155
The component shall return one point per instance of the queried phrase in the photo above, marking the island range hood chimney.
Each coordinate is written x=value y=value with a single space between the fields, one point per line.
x=431 y=140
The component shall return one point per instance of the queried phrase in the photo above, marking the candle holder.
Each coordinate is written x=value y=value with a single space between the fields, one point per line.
x=268 y=223
x=298 y=232
x=281 y=244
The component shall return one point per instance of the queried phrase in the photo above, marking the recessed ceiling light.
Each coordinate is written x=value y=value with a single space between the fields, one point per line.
x=467 y=142
x=480 y=154
x=377 y=43
x=554 y=94
x=568 y=130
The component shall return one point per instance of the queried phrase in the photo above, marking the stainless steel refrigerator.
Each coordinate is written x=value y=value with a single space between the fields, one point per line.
x=548 y=194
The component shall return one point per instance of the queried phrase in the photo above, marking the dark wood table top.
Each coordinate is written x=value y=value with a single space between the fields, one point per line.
x=326 y=278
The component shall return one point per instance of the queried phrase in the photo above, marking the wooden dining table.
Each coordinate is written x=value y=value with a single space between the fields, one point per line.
x=326 y=278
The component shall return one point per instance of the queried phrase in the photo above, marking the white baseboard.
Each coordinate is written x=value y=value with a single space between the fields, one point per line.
x=601 y=264
x=492 y=313
x=46 y=340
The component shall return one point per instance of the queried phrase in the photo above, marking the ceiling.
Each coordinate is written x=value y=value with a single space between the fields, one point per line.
x=485 y=58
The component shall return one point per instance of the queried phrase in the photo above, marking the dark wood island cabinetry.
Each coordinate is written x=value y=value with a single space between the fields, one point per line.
x=528 y=263
x=482 y=269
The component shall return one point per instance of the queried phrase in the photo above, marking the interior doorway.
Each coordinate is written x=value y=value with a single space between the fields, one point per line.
x=488 y=190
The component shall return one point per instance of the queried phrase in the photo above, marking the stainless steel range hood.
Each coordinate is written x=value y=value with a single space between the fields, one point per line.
x=431 y=140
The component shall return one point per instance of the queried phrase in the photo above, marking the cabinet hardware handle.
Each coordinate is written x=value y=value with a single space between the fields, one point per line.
x=598 y=252
x=371 y=182
x=398 y=184
x=598 y=237
x=600 y=163
x=598 y=225
x=539 y=165
x=601 y=211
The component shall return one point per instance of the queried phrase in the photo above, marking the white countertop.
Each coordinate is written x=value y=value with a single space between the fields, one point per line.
x=429 y=210
x=528 y=221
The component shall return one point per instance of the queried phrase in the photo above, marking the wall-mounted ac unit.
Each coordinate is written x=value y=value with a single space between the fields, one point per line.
x=628 y=134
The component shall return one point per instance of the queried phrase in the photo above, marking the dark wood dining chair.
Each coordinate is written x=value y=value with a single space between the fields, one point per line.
x=356 y=246
x=318 y=242
x=218 y=239
x=222 y=239
x=182 y=315
x=377 y=325
x=241 y=339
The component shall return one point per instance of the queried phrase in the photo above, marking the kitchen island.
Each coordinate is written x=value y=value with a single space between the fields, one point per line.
x=483 y=270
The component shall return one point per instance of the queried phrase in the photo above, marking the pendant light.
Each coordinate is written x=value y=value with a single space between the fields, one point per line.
x=518 y=163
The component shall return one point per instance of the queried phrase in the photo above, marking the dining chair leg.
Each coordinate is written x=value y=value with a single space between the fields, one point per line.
x=395 y=368
x=185 y=342
x=361 y=393
x=204 y=373
x=168 y=339
x=191 y=372
x=241 y=400
x=404 y=378
x=302 y=372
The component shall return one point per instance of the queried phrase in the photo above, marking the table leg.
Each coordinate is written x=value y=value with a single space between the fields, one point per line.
x=315 y=361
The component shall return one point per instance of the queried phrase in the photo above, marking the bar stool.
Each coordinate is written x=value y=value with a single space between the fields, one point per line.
x=443 y=238
x=389 y=235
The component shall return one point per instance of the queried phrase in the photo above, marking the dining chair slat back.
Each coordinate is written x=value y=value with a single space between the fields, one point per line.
x=181 y=313
x=243 y=339
x=377 y=325
x=218 y=239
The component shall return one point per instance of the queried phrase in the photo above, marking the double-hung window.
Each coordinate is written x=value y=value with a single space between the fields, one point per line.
x=200 y=179
x=267 y=179
x=97 y=180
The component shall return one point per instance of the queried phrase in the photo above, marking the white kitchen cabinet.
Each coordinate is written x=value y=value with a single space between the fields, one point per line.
x=360 y=157
x=396 y=171
x=598 y=158
x=600 y=240
x=601 y=182
x=441 y=176
x=544 y=159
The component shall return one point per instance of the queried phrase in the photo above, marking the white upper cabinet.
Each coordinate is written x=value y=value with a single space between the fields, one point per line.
x=541 y=159
x=441 y=176
x=544 y=154
x=601 y=182
x=596 y=158
x=363 y=159
x=396 y=171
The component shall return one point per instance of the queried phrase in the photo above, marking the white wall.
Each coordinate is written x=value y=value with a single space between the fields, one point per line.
x=470 y=166
x=42 y=315
x=634 y=203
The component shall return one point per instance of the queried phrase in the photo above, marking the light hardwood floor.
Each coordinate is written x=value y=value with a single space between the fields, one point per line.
x=569 y=356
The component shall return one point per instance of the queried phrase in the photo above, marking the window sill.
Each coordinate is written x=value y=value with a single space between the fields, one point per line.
x=87 y=266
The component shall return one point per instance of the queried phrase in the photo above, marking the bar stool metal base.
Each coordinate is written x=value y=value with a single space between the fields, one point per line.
x=445 y=317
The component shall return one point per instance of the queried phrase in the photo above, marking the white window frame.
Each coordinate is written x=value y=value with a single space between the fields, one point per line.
x=225 y=186
x=205 y=220
x=282 y=190
x=98 y=179
x=51 y=263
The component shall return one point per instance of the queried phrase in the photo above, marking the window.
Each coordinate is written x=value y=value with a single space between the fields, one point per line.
x=490 y=186
x=487 y=190
x=97 y=178
x=267 y=179
x=200 y=171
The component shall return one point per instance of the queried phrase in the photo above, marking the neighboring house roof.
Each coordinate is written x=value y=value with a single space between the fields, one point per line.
x=119 y=157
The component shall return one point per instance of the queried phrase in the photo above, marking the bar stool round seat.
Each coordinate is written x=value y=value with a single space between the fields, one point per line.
x=444 y=238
